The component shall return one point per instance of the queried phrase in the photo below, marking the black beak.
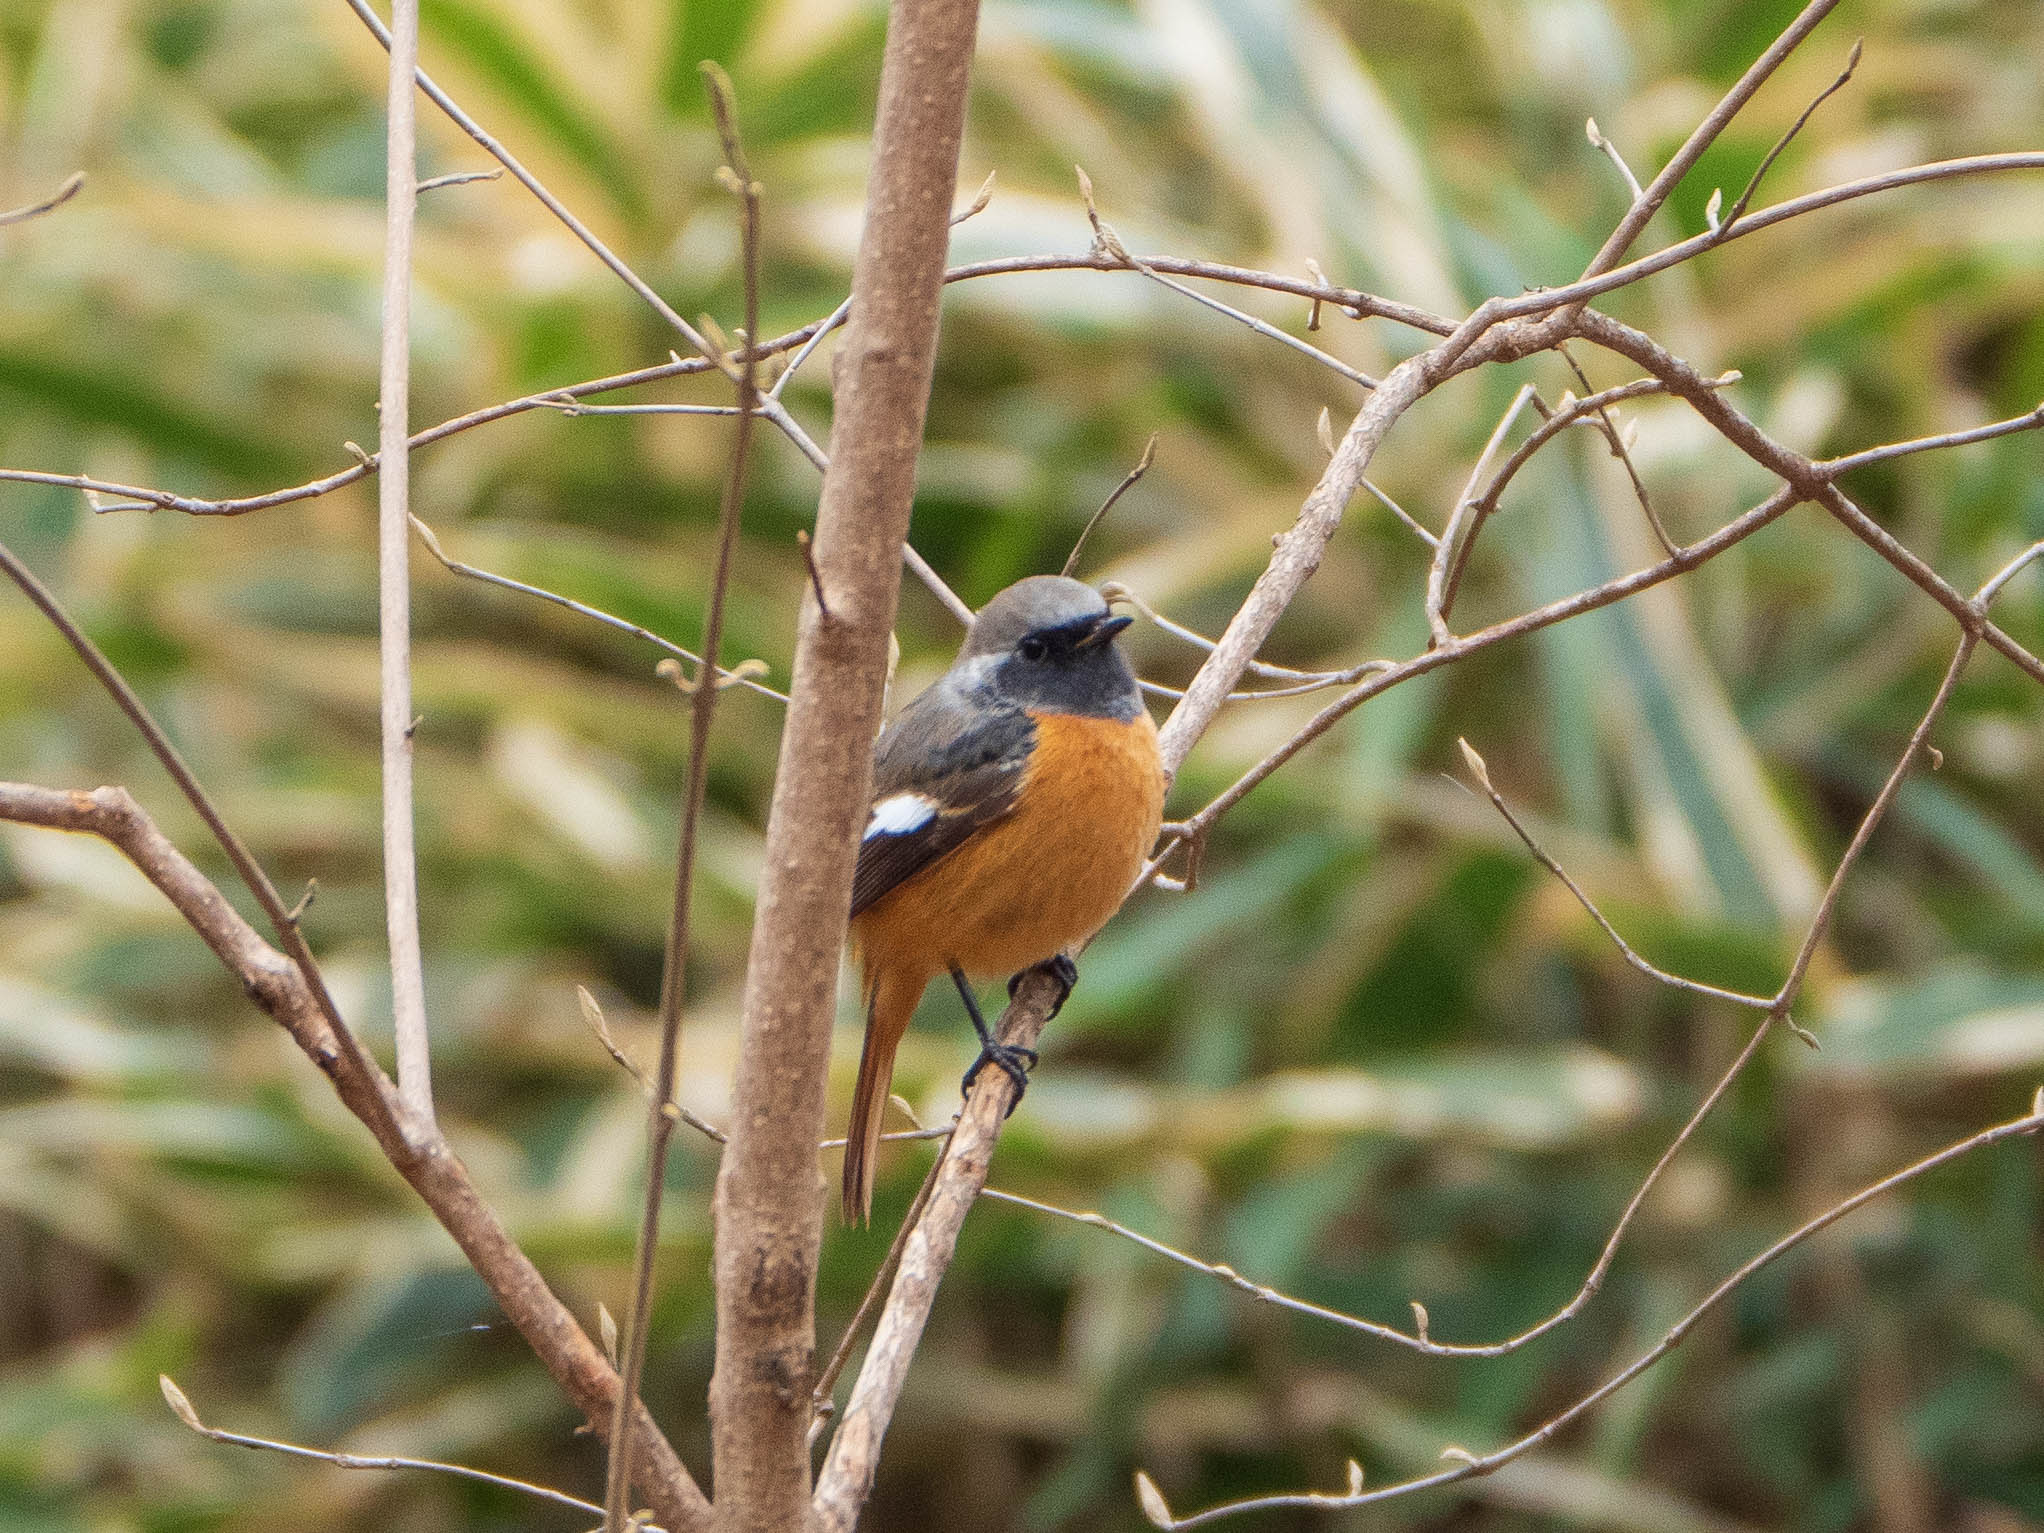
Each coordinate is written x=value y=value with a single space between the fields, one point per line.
x=1104 y=631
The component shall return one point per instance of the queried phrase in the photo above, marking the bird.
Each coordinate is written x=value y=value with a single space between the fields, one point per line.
x=1014 y=802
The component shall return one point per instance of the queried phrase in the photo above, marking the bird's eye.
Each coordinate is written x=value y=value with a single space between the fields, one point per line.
x=1032 y=648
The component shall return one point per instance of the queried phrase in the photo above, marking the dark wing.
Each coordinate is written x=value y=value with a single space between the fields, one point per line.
x=941 y=771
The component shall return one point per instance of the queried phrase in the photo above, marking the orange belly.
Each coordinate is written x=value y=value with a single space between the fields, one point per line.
x=1044 y=878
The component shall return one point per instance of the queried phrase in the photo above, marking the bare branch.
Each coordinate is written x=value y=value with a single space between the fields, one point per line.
x=1648 y=202
x=738 y=677
x=1142 y=467
x=768 y=1211
x=960 y=1173
x=1106 y=242
x=393 y=575
x=284 y=992
x=182 y=1409
x=1481 y=772
x=1820 y=921
x=662 y=1115
x=1469 y=1464
x=73 y=184
x=1465 y=521
x=1767 y=161
x=2029 y=420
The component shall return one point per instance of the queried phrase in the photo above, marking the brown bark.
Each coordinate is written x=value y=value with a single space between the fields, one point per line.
x=769 y=1191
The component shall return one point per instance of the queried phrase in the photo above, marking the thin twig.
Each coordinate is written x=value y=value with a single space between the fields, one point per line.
x=662 y=1117
x=1109 y=244
x=571 y=407
x=1116 y=591
x=1820 y=920
x=802 y=541
x=1465 y=521
x=1767 y=161
x=1622 y=451
x=73 y=184
x=738 y=677
x=1400 y=512
x=382 y=1114
x=182 y=1408
x=461 y=178
x=1469 y=1465
x=393 y=575
x=1707 y=132
x=1597 y=140
x=2029 y=420
x=1987 y=593
x=1481 y=772
x=1142 y=467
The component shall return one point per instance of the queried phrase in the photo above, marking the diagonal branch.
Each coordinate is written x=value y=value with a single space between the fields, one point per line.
x=1707 y=132
x=1812 y=480
x=434 y=1172
x=73 y=184
x=1469 y=1465
x=1777 y=1010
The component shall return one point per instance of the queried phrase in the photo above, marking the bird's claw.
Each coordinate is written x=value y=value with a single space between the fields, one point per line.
x=1012 y=1060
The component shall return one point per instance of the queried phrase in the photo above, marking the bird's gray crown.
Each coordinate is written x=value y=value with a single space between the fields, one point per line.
x=1031 y=606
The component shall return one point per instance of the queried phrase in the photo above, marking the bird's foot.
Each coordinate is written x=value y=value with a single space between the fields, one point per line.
x=1011 y=1059
x=1059 y=968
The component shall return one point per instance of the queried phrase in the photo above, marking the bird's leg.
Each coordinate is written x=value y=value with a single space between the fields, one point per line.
x=1011 y=1058
x=1059 y=968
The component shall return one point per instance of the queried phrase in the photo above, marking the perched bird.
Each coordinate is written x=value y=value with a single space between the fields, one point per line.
x=1013 y=804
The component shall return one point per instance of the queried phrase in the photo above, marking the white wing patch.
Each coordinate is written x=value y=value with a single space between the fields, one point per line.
x=898 y=814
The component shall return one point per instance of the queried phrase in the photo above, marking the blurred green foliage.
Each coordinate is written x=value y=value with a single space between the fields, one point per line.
x=1378 y=1056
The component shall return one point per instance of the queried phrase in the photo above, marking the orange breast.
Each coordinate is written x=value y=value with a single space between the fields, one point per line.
x=1047 y=876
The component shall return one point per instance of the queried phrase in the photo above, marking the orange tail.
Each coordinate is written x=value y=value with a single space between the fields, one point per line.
x=889 y=1004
